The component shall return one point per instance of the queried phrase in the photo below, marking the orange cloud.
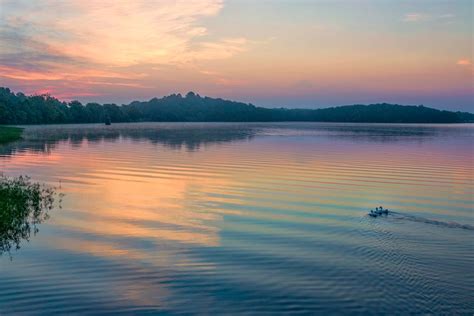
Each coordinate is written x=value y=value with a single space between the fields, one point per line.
x=102 y=43
x=464 y=62
x=120 y=33
x=20 y=74
x=66 y=73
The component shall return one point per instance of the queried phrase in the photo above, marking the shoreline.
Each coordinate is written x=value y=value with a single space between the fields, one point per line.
x=22 y=126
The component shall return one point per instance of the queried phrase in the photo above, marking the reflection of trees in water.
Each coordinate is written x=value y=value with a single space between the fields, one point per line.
x=362 y=133
x=23 y=205
x=189 y=136
x=194 y=135
x=365 y=132
x=383 y=133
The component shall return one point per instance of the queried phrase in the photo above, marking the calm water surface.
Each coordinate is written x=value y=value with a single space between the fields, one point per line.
x=246 y=218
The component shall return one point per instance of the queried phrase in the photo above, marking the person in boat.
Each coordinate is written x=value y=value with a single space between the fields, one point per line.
x=378 y=211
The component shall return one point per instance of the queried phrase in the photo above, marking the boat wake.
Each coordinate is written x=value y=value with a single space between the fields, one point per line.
x=380 y=212
x=420 y=219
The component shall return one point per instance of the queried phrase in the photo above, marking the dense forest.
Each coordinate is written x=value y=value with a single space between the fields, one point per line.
x=44 y=109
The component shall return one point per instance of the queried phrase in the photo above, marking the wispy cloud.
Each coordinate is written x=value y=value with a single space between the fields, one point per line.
x=420 y=17
x=84 y=40
x=67 y=73
x=414 y=17
x=116 y=33
x=222 y=49
x=446 y=16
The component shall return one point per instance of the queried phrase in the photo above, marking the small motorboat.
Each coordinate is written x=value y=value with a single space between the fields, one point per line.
x=379 y=211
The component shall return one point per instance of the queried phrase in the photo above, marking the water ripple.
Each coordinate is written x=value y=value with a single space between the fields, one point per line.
x=246 y=219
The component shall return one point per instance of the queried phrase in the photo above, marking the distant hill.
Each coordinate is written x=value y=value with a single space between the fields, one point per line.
x=44 y=109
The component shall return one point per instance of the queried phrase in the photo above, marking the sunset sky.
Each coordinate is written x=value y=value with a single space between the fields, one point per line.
x=293 y=53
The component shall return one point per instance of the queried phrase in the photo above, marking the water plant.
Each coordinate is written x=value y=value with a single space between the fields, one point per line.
x=23 y=205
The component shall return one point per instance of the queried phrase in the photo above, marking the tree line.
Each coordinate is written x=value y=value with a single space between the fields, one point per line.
x=45 y=109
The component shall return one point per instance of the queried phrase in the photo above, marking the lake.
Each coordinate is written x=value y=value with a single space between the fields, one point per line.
x=268 y=218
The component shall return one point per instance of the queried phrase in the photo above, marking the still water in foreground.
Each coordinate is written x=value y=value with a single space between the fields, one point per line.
x=246 y=218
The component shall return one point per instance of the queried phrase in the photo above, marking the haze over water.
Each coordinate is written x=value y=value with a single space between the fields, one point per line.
x=226 y=218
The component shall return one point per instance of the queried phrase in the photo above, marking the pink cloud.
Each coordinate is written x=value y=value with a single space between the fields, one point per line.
x=62 y=95
x=464 y=62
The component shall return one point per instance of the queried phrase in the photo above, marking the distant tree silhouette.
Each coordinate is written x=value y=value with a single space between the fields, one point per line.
x=45 y=109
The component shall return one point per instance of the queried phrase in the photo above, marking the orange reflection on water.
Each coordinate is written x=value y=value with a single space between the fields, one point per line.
x=134 y=200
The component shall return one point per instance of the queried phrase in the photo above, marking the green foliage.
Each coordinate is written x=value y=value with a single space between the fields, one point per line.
x=44 y=109
x=9 y=134
x=23 y=205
